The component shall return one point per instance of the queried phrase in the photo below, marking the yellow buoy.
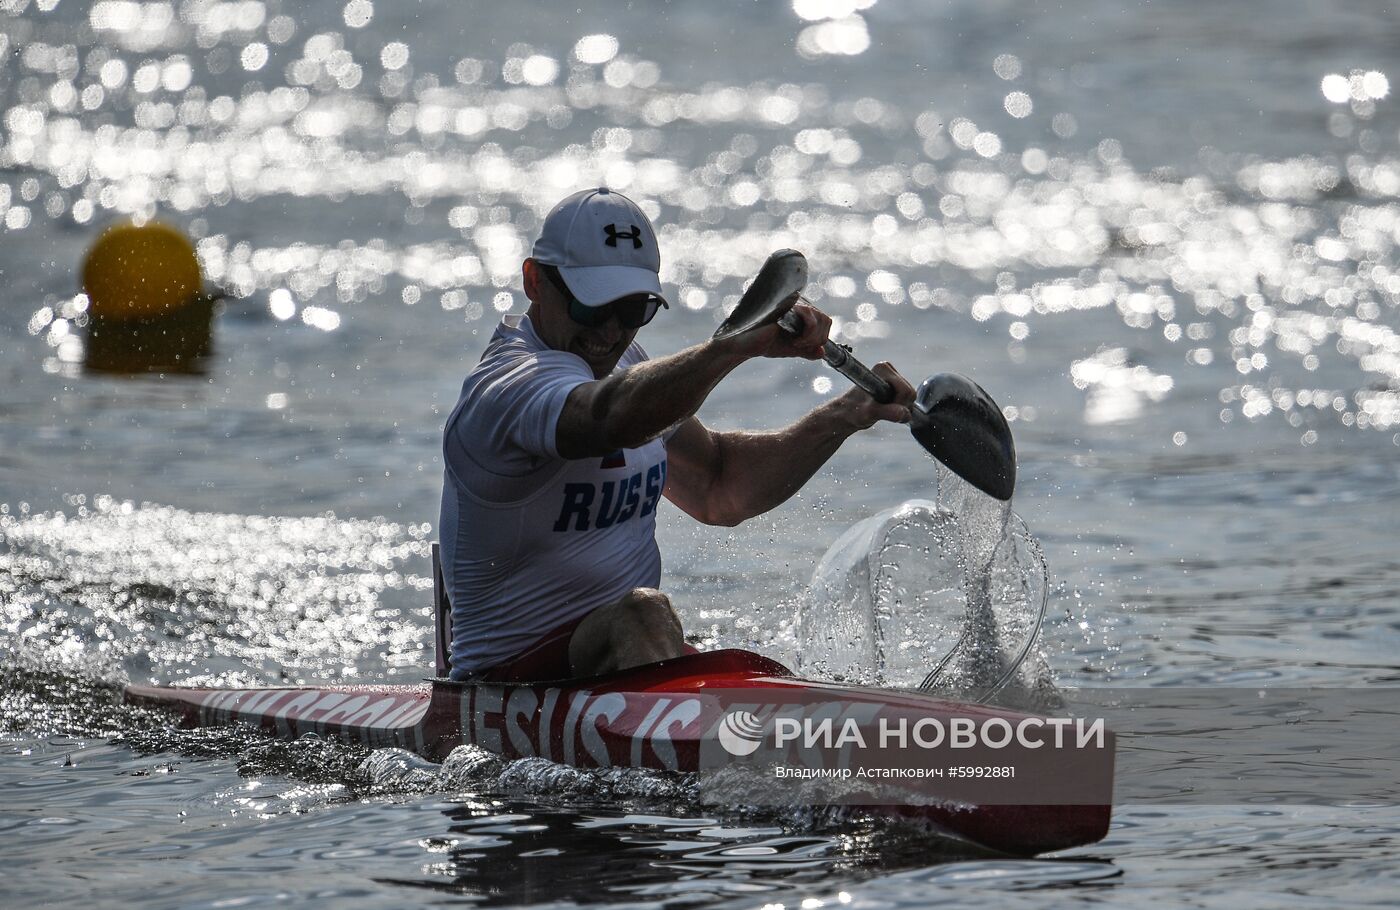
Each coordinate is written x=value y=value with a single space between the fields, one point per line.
x=140 y=272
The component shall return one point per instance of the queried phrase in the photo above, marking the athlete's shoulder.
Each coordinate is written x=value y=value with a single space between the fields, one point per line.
x=513 y=338
x=515 y=346
x=517 y=374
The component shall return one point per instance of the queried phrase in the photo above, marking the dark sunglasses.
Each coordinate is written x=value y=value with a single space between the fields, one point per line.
x=631 y=314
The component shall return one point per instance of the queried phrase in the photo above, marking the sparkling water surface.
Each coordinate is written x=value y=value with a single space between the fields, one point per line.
x=1163 y=237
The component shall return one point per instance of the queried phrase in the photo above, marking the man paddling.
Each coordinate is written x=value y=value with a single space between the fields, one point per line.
x=566 y=436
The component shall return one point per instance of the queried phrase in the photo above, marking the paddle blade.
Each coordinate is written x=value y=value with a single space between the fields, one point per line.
x=960 y=425
x=773 y=292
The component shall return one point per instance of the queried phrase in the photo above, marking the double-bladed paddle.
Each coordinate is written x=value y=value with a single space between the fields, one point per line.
x=953 y=418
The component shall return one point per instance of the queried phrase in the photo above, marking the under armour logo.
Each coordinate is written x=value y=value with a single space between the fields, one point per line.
x=614 y=234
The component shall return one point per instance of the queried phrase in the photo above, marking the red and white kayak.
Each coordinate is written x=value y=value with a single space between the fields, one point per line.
x=671 y=715
x=657 y=716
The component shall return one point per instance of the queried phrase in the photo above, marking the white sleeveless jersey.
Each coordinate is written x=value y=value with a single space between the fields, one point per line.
x=531 y=540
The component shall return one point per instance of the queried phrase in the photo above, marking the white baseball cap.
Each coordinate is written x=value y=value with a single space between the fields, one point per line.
x=603 y=246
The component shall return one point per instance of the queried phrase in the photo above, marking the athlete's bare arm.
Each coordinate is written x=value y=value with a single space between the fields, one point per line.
x=725 y=478
x=630 y=407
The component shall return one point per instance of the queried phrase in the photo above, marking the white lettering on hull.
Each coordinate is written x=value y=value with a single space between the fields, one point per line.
x=390 y=719
x=551 y=697
x=682 y=715
x=579 y=728
x=608 y=708
x=522 y=703
x=290 y=714
x=576 y=703
x=486 y=701
x=639 y=739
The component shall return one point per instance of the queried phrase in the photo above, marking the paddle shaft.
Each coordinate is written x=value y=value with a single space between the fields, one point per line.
x=844 y=362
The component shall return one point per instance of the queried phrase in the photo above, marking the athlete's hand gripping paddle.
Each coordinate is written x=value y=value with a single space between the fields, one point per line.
x=953 y=418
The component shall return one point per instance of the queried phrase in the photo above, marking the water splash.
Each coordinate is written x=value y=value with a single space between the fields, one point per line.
x=946 y=594
x=980 y=524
